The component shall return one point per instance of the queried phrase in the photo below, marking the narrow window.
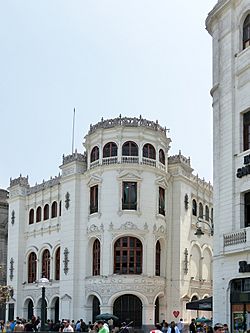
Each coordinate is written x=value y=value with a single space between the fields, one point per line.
x=161 y=156
x=46 y=212
x=96 y=257
x=206 y=213
x=149 y=151
x=246 y=32
x=129 y=195
x=60 y=208
x=38 y=214
x=128 y=256
x=94 y=156
x=200 y=210
x=32 y=261
x=46 y=264
x=31 y=216
x=161 y=201
x=110 y=149
x=129 y=148
x=54 y=210
x=194 y=207
x=247 y=209
x=158 y=259
x=246 y=130
x=93 y=199
x=57 y=264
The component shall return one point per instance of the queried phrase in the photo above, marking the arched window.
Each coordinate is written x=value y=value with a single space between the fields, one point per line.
x=57 y=264
x=32 y=261
x=31 y=216
x=54 y=210
x=96 y=257
x=38 y=214
x=161 y=156
x=149 y=151
x=46 y=264
x=212 y=213
x=94 y=156
x=201 y=210
x=161 y=201
x=110 y=149
x=206 y=213
x=60 y=208
x=46 y=212
x=194 y=207
x=129 y=148
x=158 y=259
x=246 y=32
x=128 y=256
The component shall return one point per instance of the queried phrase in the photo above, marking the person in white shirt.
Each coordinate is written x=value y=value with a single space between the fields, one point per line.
x=173 y=328
x=67 y=327
x=157 y=329
x=180 y=325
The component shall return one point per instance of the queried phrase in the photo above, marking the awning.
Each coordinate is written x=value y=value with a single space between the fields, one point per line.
x=205 y=304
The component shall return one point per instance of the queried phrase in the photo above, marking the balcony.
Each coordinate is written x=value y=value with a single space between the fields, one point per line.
x=148 y=161
x=109 y=160
x=235 y=238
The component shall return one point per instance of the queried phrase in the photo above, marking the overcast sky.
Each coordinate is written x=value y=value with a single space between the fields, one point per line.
x=105 y=58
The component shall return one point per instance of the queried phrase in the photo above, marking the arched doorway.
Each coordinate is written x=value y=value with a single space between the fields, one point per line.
x=30 y=309
x=157 y=311
x=55 y=310
x=128 y=308
x=95 y=308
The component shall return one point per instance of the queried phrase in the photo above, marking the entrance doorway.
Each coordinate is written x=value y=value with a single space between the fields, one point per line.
x=96 y=308
x=128 y=308
x=30 y=309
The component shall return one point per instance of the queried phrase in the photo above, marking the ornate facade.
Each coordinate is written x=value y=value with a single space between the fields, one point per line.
x=229 y=25
x=114 y=232
x=3 y=242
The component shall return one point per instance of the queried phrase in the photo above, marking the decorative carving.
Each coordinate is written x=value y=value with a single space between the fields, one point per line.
x=127 y=122
x=94 y=228
x=128 y=226
x=186 y=201
x=179 y=159
x=11 y=269
x=74 y=157
x=111 y=226
x=45 y=184
x=67 y=200
x=12 y=217
x=186 y=261
x=22 y=181
x=66 y=261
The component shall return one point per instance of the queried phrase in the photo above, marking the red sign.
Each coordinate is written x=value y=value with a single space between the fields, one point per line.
x=176 y=313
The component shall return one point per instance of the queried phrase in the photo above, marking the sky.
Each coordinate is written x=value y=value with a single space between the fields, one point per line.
x=103 y=58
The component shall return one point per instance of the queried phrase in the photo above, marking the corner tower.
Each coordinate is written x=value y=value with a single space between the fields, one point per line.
x=229 y=25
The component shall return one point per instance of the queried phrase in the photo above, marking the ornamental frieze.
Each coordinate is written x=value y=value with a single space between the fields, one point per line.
x=148 y=286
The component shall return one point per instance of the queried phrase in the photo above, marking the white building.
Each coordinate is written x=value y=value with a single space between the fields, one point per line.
x=113 y=233
x=229 y=25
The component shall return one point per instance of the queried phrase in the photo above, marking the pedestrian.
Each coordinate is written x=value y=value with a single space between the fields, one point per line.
x=192 y=326
x=173 y=328
x=102 y=328
x=67 y=326
x=180 y=325
x=157 y=329
x=219 y=328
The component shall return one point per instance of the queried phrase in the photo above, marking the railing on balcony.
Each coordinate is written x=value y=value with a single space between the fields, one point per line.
x=234 y=238
x=162 y=166
x=109 y=160
x=130 y=159
x=149 y=161
x=94 y=164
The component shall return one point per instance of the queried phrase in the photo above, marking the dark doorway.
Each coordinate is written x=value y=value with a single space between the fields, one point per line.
x=56 y=319
x=157 y=311
x=128 y=308
x=11 y=312
x=30 y=309
x=96 y=308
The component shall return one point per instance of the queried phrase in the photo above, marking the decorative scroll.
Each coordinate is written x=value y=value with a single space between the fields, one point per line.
x=66 y=261
x=11 y=269
x=186 y=261
x=13 y=217
x=67 y=200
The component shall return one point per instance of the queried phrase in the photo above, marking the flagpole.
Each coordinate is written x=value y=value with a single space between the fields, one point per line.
x=73 y=131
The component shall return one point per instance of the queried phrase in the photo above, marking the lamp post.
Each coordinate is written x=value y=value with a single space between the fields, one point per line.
x=43 y=281
x=209 y=223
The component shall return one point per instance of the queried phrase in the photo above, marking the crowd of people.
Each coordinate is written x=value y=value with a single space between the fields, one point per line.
x=34 y=325
x=64 y=325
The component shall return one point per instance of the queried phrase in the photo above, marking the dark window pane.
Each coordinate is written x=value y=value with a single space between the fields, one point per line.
x=93 y=199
